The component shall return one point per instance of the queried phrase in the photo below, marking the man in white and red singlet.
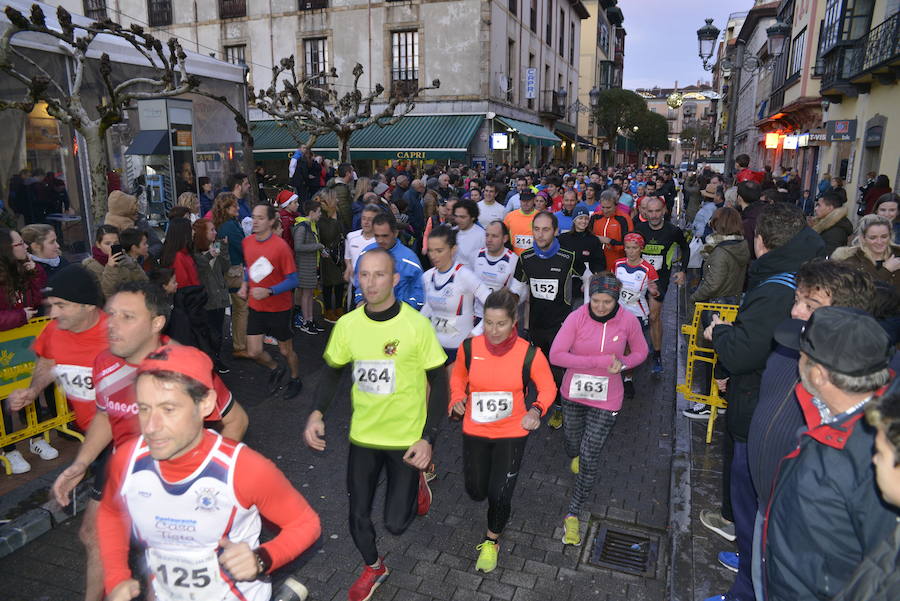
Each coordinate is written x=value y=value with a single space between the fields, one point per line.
x=194 y=498
x=136 y=316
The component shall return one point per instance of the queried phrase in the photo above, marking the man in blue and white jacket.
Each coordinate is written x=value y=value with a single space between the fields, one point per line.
x=409 y=289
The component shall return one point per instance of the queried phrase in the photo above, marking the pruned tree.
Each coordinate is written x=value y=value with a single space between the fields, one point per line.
x=652 y=134
x=66 y=100
x=316 y=106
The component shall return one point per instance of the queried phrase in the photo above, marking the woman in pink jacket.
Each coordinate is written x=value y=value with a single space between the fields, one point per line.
x=596 y=343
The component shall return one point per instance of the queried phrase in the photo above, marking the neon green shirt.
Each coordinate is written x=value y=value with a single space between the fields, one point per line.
x=389 y=359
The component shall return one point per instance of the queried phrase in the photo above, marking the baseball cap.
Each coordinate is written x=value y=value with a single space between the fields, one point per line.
x=580 y=210
x=845 y=340
x=380 y=188
x=75 y=284
x=185 y=360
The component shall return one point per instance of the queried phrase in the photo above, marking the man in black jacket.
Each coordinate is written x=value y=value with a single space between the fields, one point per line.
x=783 y=242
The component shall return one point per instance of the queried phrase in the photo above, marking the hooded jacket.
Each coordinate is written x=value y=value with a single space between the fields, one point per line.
x=834 y=228
x=744 y=347
x=724 y=268
x=121 y=211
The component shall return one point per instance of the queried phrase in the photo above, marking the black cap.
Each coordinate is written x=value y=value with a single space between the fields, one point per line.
x=526 y=195
x=75 y=284
x=847 y=341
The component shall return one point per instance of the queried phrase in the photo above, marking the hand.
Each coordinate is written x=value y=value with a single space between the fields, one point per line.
x=30 y=312
x=892 y=264
x=418 y=455
x=29 y=265
x=214 y=251
x=654 y=290
x=722 y=384
x=314 y=434
x=259 y=293
x=459 y=408
x=67 y=481
x=125 y=591
x=678 y=278
x=531 y=420
x=242 y=291
x=239 y=559
x=604 y=239
x=616 y=366
x=115 y=259
x=21 y=398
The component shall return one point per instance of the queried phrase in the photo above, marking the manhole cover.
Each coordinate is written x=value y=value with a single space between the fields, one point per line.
x=625 y=550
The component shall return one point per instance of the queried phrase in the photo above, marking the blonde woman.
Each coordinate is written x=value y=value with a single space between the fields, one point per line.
x=331 y=267
x=190 y=201
x=873 y=251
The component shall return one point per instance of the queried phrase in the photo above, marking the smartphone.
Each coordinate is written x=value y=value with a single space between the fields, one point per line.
x=115 y=249
x=217 y=245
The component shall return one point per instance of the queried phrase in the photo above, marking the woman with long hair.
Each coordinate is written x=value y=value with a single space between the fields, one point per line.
x=888 y=206
x=178 y=253
x=873 y=250
x=331 y=267
x=43 y=247
x=190 y=201
x=212 y=266
x=225 y=218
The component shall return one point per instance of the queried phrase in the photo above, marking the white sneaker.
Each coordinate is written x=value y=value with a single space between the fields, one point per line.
x=42 y=448
x=17 y=462
x=270 y=340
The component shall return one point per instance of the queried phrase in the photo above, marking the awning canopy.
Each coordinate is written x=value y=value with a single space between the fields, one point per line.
x=151 y=141
x=418 y=137
x=531 y=133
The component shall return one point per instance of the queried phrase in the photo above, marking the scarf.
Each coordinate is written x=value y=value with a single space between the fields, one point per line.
x=99 y=256
x=498 y=350
x=605 y=318
x=546 y=254
x=54 y=262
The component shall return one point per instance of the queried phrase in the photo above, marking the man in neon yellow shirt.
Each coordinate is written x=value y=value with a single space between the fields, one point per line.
x=392 y=351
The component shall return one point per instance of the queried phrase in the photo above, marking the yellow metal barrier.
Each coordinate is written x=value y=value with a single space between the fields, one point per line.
x=16 y=366
x=702 y=354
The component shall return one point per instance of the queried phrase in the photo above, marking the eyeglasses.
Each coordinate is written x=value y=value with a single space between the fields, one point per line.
x=14 y=244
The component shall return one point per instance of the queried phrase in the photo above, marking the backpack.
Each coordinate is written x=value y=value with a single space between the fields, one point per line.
x=526 y=365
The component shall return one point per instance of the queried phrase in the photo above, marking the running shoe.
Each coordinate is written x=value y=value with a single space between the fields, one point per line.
x=628 y=386
x=270 y=340
x=430 y=473
x=298 y=321
x=369 y=580
x=42 y=449
x=715 y=522
x=571 y=536
x=697 y=411
x=656 y=369
x=17 y=463
x=276 y=377
x=313 y=327
x=573 y=467
x=293 y=388
x=487 y=559
x=424 y=496
x=556 y=419
x=729 y=560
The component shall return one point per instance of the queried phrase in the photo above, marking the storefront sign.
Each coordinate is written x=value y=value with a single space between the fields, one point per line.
x=841 y=131
x=480 y=163
x=418 y=155
x=499 y=141
x=530 y=82
x=874 y=136
x=790 y=142
x=771 y=141
x=818 y=137
x=803 y=140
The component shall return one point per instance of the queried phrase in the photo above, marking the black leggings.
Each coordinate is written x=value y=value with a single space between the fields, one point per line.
x=364 y=467
x=332 y=296
x=491 y=467
x=543 y=339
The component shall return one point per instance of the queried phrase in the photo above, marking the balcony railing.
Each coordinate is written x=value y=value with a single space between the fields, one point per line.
x=551 y=105
x=877 y=47
x=837 y=64
x=231 y=9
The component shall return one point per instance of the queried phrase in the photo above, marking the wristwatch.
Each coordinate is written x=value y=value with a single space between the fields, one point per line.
x=263 y=562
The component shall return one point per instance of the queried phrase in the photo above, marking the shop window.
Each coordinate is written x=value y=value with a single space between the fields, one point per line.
x=315 y=52
x=231 y=9
x=95 y=9
x=405 y=61
x=159 y=13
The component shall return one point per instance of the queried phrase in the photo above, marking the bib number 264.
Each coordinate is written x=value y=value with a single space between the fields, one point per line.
x=374 y=377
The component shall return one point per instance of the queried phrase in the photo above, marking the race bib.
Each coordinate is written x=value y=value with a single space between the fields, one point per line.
x=76 y=380
x=260 y=270
x=443 y=325
x=628 y=296
x=655 y=260
x=524 y=241
x=544 y=289
x=588 y=387
x=186 y=575
x=491 y=406
x=375 y=377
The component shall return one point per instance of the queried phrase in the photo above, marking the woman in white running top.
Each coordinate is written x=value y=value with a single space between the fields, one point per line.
x=450 y=292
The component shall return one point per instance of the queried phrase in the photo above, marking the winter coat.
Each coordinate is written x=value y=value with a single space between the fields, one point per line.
x=834 y=228
x=188 y=324
x=287 y=219
x=749 y=216
x=332 y=238
x=110 y=277
x=877 y=578
x=724 y=268
x=211 y=271
x=49 y=269
x=692 y=199
x=12 y=310
x=121 y=210
x=409 y=289
x=306 y=252
x=744 y=347
x=583 y=345
x=232 y=230
x=344 y=204
x=854 y=255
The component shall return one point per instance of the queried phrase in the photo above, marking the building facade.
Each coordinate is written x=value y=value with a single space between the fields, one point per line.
x=691 y=125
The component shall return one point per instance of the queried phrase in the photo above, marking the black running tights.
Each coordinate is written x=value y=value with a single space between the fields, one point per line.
x=491 y=467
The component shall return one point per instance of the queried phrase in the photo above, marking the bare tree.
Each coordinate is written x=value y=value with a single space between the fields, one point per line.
x=316 y=107
x=66 y=100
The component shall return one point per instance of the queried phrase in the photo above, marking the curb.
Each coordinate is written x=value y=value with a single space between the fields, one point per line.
x=35 y=522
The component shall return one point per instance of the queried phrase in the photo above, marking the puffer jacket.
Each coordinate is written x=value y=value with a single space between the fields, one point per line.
x=211 y=271
x=724 y=268
x=744 y=346
x=878 y=577
x=835 y=229
x=110 y=277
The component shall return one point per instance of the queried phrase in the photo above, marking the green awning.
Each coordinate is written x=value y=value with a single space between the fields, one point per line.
x=420 y=137
x=565 y=130
x=531 y=133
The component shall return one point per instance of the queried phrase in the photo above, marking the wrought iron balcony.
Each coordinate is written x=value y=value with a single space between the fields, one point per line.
x=232 y=9
x=550 y=105
x=836 y=67
x=877 y=49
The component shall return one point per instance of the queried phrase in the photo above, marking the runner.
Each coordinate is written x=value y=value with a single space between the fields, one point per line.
x=469 y=235
x=393 y=351
x=193 y=498
x=610 y=226
x=519 y=223
x=356 y=241
x=661 y=238
x=496 y=422
x=489 y=209
x=638 y=278
x=409 y=285
x=451 y=290
x=495 y=264
x=136 y=316
x=595 y=344
x=546 y=270
x=269 y=278
x=588 y=251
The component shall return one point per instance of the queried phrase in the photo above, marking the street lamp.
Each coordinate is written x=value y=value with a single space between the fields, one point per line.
x=706 y=38
x=594 y=96
x=777 y=34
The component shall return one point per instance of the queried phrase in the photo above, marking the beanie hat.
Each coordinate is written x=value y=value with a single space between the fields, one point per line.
x=75 y=284
x=605 y=284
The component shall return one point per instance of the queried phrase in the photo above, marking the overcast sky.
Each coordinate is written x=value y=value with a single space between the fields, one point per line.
x=661 y=45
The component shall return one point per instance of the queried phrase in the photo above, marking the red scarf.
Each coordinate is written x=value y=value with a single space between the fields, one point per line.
x=100 y=256
x=498 y=350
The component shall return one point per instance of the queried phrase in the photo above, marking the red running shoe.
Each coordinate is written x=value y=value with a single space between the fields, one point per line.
x=365 y=585
x=424 y=495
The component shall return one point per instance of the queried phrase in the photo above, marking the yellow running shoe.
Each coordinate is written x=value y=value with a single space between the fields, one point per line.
x=556 y=419
x=574 y=465
x=487 y=559
x=571 y=526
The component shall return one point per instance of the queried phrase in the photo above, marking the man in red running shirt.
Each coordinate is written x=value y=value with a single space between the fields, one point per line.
x=194 y=498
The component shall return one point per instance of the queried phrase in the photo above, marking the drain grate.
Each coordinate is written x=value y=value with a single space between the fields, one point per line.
x=625 y=551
